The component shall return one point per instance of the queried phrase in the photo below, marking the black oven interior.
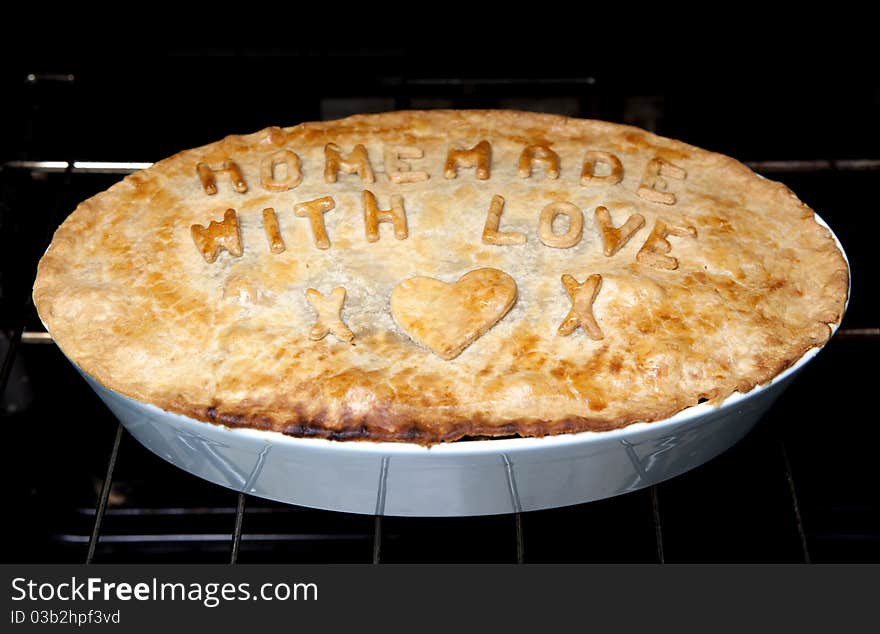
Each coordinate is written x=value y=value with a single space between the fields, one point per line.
x=801 y=487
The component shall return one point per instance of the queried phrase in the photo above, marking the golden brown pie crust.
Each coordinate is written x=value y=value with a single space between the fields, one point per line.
x=728 y=281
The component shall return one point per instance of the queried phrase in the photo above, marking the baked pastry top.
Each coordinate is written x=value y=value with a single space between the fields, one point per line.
x=427 y=276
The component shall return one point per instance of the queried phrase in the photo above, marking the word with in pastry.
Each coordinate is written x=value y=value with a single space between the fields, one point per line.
x=225 y=235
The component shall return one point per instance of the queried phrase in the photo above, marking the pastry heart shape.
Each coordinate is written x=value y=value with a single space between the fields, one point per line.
x=447 y=318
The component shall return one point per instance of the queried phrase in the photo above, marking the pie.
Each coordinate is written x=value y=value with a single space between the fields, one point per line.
x=431 y=276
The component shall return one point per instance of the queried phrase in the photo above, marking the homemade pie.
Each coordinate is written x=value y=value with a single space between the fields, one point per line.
x=428 y=276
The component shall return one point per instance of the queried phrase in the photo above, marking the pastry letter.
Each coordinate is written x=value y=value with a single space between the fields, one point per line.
x=329 y=315
x=491 y=235
x=653 y=252
x=273 y=231
x=315 y=210
x=216 y=236
x=479 y=156
x=542 y=155
x=292 y=177
x=613 y=238
x=209 y=182
x=653 y=185
x=575 y=225
x=373 y=216
x=581 y=314
x=588 y=173
x=398 y=171
x=355 y=162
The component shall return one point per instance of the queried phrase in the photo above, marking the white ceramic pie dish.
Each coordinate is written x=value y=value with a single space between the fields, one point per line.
x=478 y=477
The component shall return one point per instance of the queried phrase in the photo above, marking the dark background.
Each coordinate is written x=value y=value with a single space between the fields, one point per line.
x=801 y=487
